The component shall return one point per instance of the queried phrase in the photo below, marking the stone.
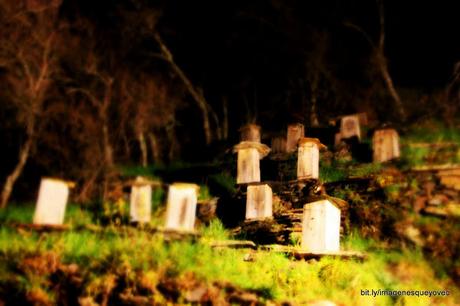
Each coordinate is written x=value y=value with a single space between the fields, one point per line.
x=52 y=201
x=140 y=201
x=248 y=164
x=181 y=206
x=250 y=132
x=385 y=144
x=308 y=158
x=321 y=227
x=294 y=133
x=259 y=203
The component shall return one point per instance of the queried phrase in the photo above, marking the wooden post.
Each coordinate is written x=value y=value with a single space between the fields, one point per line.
x=181 y=207
x=52 y=202
x=308 y=158
x=259 y=202
x=349 y=127
x=385 y=145
x=250 y=132
x=321 y=227
x=249 y=155
x=278 y=144
x=294 y=133
x=140 y=201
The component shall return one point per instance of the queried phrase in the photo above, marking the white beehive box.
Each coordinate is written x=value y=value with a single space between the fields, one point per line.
x=308 y=158
x=248 y=164
x=259 y=203
x=350 y=127
x=294 y=133
x=140 y=202
x=52 y=201
x=321 y=227
x=181 y=206
x=385 y=145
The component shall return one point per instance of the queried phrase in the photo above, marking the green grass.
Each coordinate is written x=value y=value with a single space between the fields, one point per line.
x=430 y=132
x=136 y=252
x=334 y=172
x=331 y=174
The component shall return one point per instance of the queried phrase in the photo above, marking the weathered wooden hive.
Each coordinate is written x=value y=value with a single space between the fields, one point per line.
x=294 y=133
x=140 y=202
x=308 y=158
x=321 y=227
x=385 y=143
x=249 y=155
x=181 y=206
x=250 y=132
x=349 y=127
x=52 y=201
x=259 y=199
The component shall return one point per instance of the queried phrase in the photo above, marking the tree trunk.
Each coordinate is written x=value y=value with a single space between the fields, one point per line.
x=390 y=86
x=143 y=147
x=313 y=106
x=11 y=179
x=108 y=151
x=313 y=112
x=202 y=104
x=196 y=95
x=155 y=148
x=171 y=134
x=217 y=123
x=225 y=114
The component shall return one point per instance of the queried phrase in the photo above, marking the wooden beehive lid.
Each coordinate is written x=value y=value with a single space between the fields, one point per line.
x=181 y=185
x=316 y=141
x=69 y=184
x=143 y=181
x=324 y=200
x=263 y=149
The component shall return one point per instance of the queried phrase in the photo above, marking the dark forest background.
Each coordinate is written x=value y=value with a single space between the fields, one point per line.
x=88 y=85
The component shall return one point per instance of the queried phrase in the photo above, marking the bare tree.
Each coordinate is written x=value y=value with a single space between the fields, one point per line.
x=378 y=50
x=318 y=73
x=152 y=108
x=450 y=99
x=99 y=93
x=196 y=93
x=27 y=52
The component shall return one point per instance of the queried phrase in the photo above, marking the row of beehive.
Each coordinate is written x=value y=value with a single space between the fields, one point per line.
x=320 y=225
x=385 y=142
x=180 y=213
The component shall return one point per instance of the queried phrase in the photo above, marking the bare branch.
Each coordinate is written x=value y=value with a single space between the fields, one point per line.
x=360 y=30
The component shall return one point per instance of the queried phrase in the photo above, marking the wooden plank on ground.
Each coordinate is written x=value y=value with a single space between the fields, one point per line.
x=451 y=209
x=40 y=227
x=435 y=168
x=301 y=254
x=234 y=244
